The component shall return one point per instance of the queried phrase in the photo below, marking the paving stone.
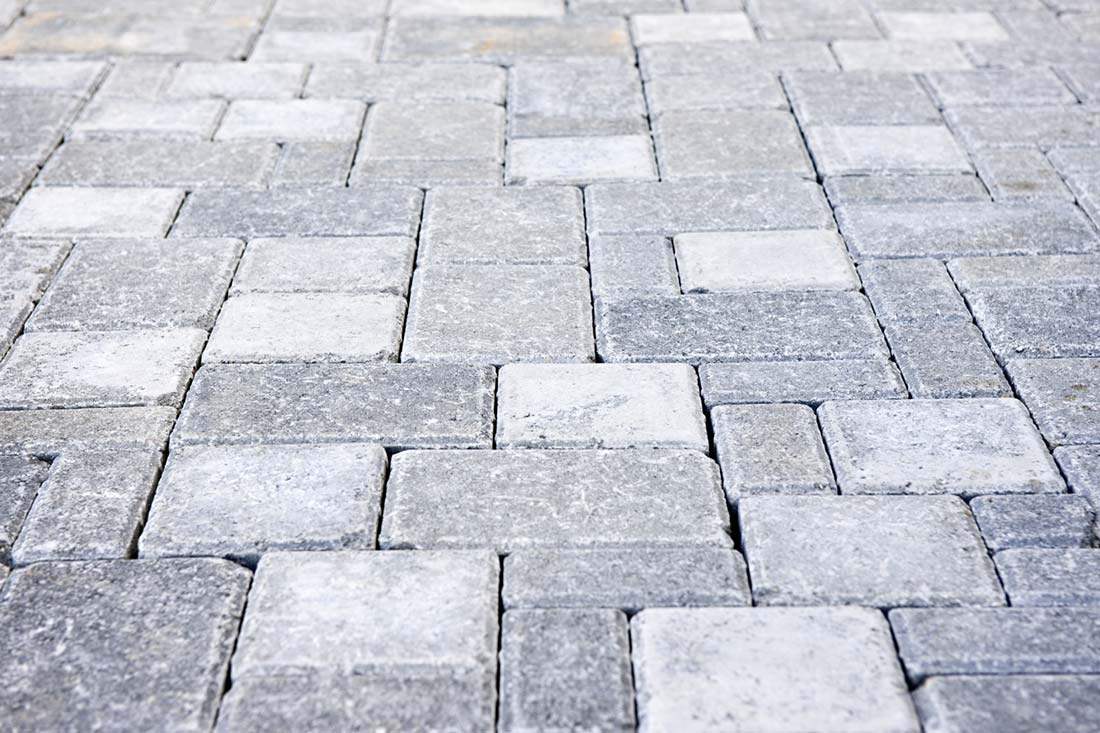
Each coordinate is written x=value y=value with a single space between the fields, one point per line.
x=137 y=79
x=626 y=265
x=282 y=120
x=905 y=189
x=918 y=290
x=884 y=551
x=980 y=27
x=521 y=500
x=99 y=369
x=672 y=208
x=600 y=406
x=115 y=119
x=427 y=173
x=778 y=260
x=388 y=617
x=772 y=669
x=808 y=382
x=1081 y=466
x=330 y=8
x=997 y=641
x=16 y=175
x=50 y=432
x=20 y=478
x=878 y=150
x=307 y=327
x=1020 y=175
x=49 y=76
x=859 y=98
x=314 y=164
x=738 y=327
x=946 y=359
x=800 y=20
x=1081 y=78
x=905 y=56
x=114 y=624
x=627 y=579
x=182 y=164
x=95 y=212
x=623 y=7
x=1087 y=191
x=972 y=273
x=325 y=265
x=499 y=314
x=28 y=265
x=503 y=226
x=678 y=59
x=1051 y=577
x=735 y=90
x=241 y=502
x=426 y=131
x=1039 y=322
x=309 y=212
x=253 y=80
x=1063 y=396
x=1015 y=704
x=580 y=160
x=34 y=125
x=5 y=211
x=478 y=8
x=340 y=40
x=507 y=41
x=13 y=312
x=967 y=447
x=565 y=669
x=406 y=406
x=1016 y=126
x=566 y=99
x=958 y=230
x=690 y=28
x=1027 y=86
x=398 y=82
x=112 y=285
x=770 y=449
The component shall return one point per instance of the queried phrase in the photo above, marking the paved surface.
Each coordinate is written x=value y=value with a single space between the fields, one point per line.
x=548 y=365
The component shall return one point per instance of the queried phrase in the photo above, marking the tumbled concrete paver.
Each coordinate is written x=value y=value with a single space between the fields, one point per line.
x=621 y=265
x=908 y=56
x=859 y=98
x=1063 y=396
x=125 y=119
x=199 y=79
x=1020 y=175
x=325 y=265
x=580 y=160
x=870 y=150
x=716 y=144
x=945 y=360
x=905 y=189
x=690 y=28
x=566 y=99
x=982 y=87
x=1081 y=466
x=1050 y=577
x=419 y=82
x=913 y=290
x=677 y=59
x=50 y=432
x=980 y=27
x=94 y=212
x=1039 y=322
x=773 y=669
x=1011 y=704
x=20 y=478
x=1011 y=522
x=298 y=119
x=808 y=382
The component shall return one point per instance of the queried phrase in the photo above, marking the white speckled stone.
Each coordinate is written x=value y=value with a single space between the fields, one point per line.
x=580 y=160
x=1012 y=704
x=808 y=382
x=325 y=265
x=1051 y=577
x=94 y=212
x=884 y=150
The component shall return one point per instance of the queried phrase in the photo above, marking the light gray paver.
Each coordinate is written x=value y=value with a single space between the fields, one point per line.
x=49 y=432
x=332 y=120
x=809 y=382
x=433 y=131
x=518 y=500
x=1063 y=396
x=1014 y=704
x=1020 y=175
x=113 y=119
x=325 y=265
x=914 y=290
x=768 y=670
x=567 y=99
x=198 y=79
x=998 y=87
x=797 y=19
x=1081 y=465
x=321 y=40
x=735 y=90
x=1011 y=522
x=94 y=212
x=1020 y=126
x=971 y=273
x=884 y=551
x=699 y=27
x=677 y=59
x=628 y=579
x=49 y=76
x=981 y=27
x=870 y=150
x=478 y=8
x=1051 y=577
x=314 y=164
x=716 y=144
x=565 y=668
x=859 y=98
x=408 y=82
x=900 y=55
x=1039 y=322
x=580 y=160
x=629 y=265
x=905 y=189
x=20 y=478
x=944 y=360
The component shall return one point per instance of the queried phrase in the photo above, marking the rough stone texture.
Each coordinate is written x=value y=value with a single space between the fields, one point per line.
x=330 y=120
x=49 y=432
x=905 y=189
x=419 y=82
x=1020 y=175
x=918 y=290
x=565 y=669
x=325 y=265
x=628 y=579
x=314 y=164
x=998 y=87
x=972 y=273
x=809 y=382
x=111 y=626
x=1016 y=704
x=125 y=119
x=677 y=59
x=1081 y=466
x=580 y=160
x=1039 y=322
x=433 y=131
x=1063 y=396
x=877 y=150
x=632 y=265
x=859 y=98
x=20 y=479
x=1010 y=522
x=241 y=502
x=94 y=212
x=883 y=551
x=552 y=99
x=1051 y=577
x=600 y=406
x=774 y=669
x=945 y=360
x=1045 y=127
x=518 y=500
x=966 y=447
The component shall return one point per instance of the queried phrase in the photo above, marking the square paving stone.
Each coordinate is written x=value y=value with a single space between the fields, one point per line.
x=111 y=285
x=720 y=143
x=519 y=500
x=515 y=226
x=913 y=290
x=115 y=119
x=881 y=551
x=904 y=56
x=859 y=98
x=997 y=641
x=94 y=212
x=998 y=87
x=777 y=260
x=563 y=669
x=738 y=327
x=770 y=449
x=1051 y=577
x=326 y=265
x=252 y=80
x=905 y=189
x=768 y=670
x=627 y=579
x=409 y=82
x=981 y=27
x=314 y=164
x=406 y=406
x=433 y=131
x=966 y=447
x=1039 y=322
x=878 y=150
x=1016 y=704
x=600 y=406
x=499 y=314
x=1010 y=522
x=945 y=360
x=99 y=368
x=807 y=382
x=307 y=212
x=132 y=642
x=580 y=160
x=632 y=265
x=735 y=90
x=333 y=120
x=550 y=99
x=307 y=327
x=20 y=479
x=241 y=502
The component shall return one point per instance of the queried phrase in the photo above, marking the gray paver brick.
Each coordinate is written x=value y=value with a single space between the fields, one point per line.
x=314 y=164
x=907 y=56
x=697 y=27
x=1081 y=465
x=734 y=90
x=49 y=76
x=632 y=265
x=1051 y=577
x=676 y=59
x=797 y=19
x=20 y=478
x=580 y=160
x=48 y=432
x=1063 y=396
x=550 y=99
x=1019 y=126
x=252 y=80
x=114 y=119
x=943 y=360
x=859 y=98
x=998 y=87
x=916 y=290
x=280 y=120
x=1014 y=704
x=905 y=189
x=325 y=265
x=882 y=150
x=980 y=27
x=1039 y=322
x=409 y=82
x=809 y=382
x=1020 y=175
x=433 y=131
x=320 y=40
x=94 y=212
x=1011 y=522
x=972 y=273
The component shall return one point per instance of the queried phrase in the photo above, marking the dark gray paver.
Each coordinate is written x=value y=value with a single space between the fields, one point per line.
x=1009 y=522
x=1063 y=396
x=1014 y=704
x=1051 y=577
x=809 y=382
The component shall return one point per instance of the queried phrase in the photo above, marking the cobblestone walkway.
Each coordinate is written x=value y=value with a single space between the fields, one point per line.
x=547 y=365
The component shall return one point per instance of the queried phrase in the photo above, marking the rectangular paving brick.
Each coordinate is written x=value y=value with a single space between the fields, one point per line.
x=49 y=432
x=1015 y=703
x=841 y=150
x=433 y=131
x=906 y=56
x=1051 y=577
x=567 y=99
x=95 y=212
x=944 y=360
x=252 y=80
x=1039 y=322
x=1063 y=396
x=1020 y=174
x=912 y=290
x=314 y=164
x=1013 y=522
x=677 y=59
x=632 y=265
x=747 y=89
x=408 y=82
x=325 y=265
x=341 y=40
x=20 y=478
x=127 y=119
x=1004 y=126
x=970 y=273
x=859 y=98
x=905 y=189
x=329 y=120
x=808 y=382
x=580 y=160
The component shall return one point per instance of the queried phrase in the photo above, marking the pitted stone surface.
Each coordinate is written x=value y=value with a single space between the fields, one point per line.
x=1014 y=704
x=94 y=212
x=325 y=265
x=1063 y=396
x=1051 y=577
x=808 y=382
x=1011 y=522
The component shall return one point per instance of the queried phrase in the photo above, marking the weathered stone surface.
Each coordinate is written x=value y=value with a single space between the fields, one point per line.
x=774 y=669
x=1015 y=704
x=94 y=212
x=409 y=82
x=99 y=368
x=1004 y=126
x=878 y=150
x=859 y=98
x=1020 y=175
x=49 y=76
x=518 y=500
x=499 y=314
x=126 y=119
x=734 y=90
x=809 y=382
x=981 y=27
x=550 y=99
x=478 y=8
x=1081 y=466
x=971 y=273
x=628 y=579
x=433 y=131
x=905 y=56
x=1011 y=522
x=966 y=447
x=113 y=626
x=699 y=27
x=716 y=144
x=905 y=189
x=28 y=265
x=944 y=360
x=282 y=120
x=1039 y=322
x=738 y=327
x=770 y=449
x=48 y=432
x=918 y=290
x=136 y=80
x=314 y=164
x=34 y=125
x=1051 y=577
x=627 y=265
x=884 y=551
x=503 y=226
x=20 y=479
x=307 y=327
x=241 y=502
x=253 y=80
x=580 y=160
x=339 y=40
x=677 y=59
x=796 y=19
x=427 y=173
x=325 y=265
x=308 y=212
x=997 y=641
x=16 y=175
x=565 y=669
x=778 y=260
x=398 y=406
